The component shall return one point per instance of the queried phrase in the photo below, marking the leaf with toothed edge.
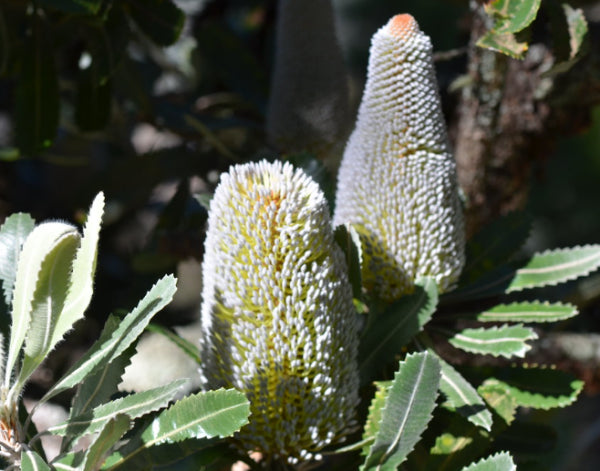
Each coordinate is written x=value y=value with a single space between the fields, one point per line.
x=528 y=312
x=410 y=401
x=498 y=462
x=31 y=461
x=506 y=341
x=121 y=334
x=556 y=266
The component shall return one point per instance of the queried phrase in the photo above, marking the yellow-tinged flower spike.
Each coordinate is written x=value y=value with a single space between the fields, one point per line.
x=277 y=317
x=309 y=106
x=397 y=181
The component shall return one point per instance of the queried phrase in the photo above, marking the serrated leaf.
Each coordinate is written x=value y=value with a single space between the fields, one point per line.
x=498 y=398
x=410 y=401
x=506 y=43
x=556 y=266
x=512 y=16
x=348 y=239
x=112 y=431
x=395 y=327
x=498 y=462
x=134 y=406
x=577 y=26
x=538 y=388
x=35 y=249
x=375 y=414
x=47 y=304
x=90 y=7
x=13 y=233
x=37 y=97
x=463 y=397
x=203 y=415
x=119 y=337
x=528 y=312
x=494 y=245
x=31 y=461
x=161 y=20
x=506 y=341
x=81 y=284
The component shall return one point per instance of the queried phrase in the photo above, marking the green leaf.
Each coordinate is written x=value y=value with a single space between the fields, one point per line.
x=391 y=330
x=112 y=431
x=498 y=397
x=31 y=461
x=161 y=20
x=494 y=245
x=463 y=397
x=528 y=312
x=204 y=415
x=13 y=233
x=119 y=336
x=506 y=43
x=505 y=341
x=90 y=7
x=512 y=16
x=556 y=266
x=348 y=239
x=375 y=415
x=537 y=388
x=189 y=348
x=37 y=99
x=81 y=284
x=39 y=243
x=47 y=304
x=410 y=401
x=498 y=462
x=134 y=406
x=577 y=26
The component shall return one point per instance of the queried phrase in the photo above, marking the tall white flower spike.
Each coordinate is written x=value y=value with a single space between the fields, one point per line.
x=397 y=182
x=277 y=316
x=309 y=105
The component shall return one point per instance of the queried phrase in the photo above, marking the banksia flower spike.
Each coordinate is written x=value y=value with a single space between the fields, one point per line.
x=277 y=315
x=308 y=108
x=397 y=182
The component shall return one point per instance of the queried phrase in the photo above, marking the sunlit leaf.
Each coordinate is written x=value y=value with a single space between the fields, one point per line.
x=203 y=415
x=556 y=266
x=119 y=336
x=577 y=26
x=463 y=397
x=537 y=388
x=407 y=411
x=31 y=461
x=102 y=444
x=498 y=397
x=528 y=312
x=13 y=233
x=512 y=16
x=498 y=462
x=505 y=43
x=506 y=341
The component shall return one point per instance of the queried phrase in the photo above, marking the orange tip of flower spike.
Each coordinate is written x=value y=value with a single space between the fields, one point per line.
x=402 y=26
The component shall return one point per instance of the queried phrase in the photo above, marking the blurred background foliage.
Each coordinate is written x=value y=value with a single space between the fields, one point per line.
x=148 y=100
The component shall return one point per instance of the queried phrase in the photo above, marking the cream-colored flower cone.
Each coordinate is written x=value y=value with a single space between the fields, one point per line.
x=278 y=319
x=308 y=107
x=397 y=182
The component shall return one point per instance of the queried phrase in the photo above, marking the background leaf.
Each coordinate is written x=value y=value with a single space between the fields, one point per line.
x=73 y=6
x=161 y=20
x=505 y=341
x=349 y=240
x=410 y=401
x=37 y=100
x=512 y=16
x=556 y=266
x=528 y=312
